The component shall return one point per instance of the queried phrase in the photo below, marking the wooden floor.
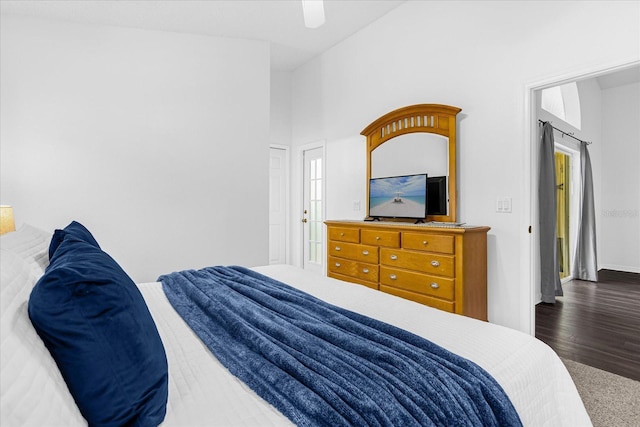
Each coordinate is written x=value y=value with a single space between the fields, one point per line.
x=597 y=324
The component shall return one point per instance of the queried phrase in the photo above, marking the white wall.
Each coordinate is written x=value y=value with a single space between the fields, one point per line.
x=619 y=212
x=280 y=101
x=481 y=57
x=156 y=141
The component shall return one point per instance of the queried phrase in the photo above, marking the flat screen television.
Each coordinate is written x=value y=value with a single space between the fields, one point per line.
x=398 y=197
x=437 y=195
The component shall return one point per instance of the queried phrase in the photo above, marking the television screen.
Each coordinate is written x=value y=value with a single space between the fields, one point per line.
x=437 y=195
x=398 y=196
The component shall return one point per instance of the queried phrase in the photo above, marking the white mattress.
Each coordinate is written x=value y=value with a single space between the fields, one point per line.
x=202 y=391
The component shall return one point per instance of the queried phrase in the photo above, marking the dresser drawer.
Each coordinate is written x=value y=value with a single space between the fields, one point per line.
x=354 y=251
x=360 y=270
x=426 y=284
x=421 y=298
x=344 y=234
x=425 y=262
x=381 y=238
x=428 y=242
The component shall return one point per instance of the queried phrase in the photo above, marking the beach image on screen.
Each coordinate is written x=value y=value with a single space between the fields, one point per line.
x=398 y=197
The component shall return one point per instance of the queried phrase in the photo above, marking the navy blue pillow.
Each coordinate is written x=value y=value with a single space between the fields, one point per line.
x=96 y=325
x=74 y=229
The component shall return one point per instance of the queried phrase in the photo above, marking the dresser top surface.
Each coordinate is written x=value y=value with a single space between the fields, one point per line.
x=427 y=226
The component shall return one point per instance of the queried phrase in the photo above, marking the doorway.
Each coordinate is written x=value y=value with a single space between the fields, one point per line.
x=563 y=213
x=531 y=261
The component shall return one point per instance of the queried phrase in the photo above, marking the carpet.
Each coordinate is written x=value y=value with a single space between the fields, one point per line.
x=610 y=400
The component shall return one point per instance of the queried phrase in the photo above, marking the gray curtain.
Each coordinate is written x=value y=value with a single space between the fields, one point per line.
x=549 y=264
x=586 y=265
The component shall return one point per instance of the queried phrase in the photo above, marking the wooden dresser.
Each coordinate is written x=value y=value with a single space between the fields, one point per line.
x=445 y=268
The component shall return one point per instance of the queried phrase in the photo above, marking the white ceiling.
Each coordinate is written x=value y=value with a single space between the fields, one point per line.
x=279 y=22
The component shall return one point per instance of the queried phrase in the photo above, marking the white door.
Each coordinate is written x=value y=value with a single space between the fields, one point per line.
x=278 y=172
x=313 y=210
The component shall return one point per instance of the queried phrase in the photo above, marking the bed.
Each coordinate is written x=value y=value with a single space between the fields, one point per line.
x=202 y=392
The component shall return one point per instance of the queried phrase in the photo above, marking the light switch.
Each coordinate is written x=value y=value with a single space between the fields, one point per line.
x=503 y=205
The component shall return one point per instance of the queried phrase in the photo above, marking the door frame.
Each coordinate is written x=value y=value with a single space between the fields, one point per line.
x=530 y=257
x=298 y=202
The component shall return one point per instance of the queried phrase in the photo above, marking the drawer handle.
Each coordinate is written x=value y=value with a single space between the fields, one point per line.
x=341 y=234
x=337 y=248
x=394 y=257
x=434 y=285
x=365 y=253
x=377 y=237
x=435 y=263
x=425 y=243
x=393 y=277
x=337 y=264
x=365 y=270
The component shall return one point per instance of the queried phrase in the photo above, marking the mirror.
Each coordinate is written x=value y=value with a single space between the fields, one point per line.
x=414 y=140
x=420 y=153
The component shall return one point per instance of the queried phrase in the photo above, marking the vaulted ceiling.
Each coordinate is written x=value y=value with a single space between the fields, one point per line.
x=279 y=22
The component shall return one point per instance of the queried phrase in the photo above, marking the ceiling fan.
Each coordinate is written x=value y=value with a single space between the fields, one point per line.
x=313 y=11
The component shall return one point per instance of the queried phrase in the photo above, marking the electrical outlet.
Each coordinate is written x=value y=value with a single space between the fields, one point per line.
x=356 y=205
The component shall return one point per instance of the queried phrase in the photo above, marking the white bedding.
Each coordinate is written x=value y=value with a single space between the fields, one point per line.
x=203 y=393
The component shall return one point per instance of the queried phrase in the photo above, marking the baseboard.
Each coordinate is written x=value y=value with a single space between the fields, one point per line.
x=624 y=268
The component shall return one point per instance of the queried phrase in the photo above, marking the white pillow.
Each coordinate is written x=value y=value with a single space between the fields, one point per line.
x=32 y=390
x=30 y=244
x=25 y=256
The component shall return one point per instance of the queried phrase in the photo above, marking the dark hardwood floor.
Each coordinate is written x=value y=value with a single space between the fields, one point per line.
x=597 y=324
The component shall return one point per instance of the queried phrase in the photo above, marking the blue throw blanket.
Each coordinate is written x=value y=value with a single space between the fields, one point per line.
x=319 y=364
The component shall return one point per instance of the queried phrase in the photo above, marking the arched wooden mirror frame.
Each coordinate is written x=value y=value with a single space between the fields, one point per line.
x=429 y=118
